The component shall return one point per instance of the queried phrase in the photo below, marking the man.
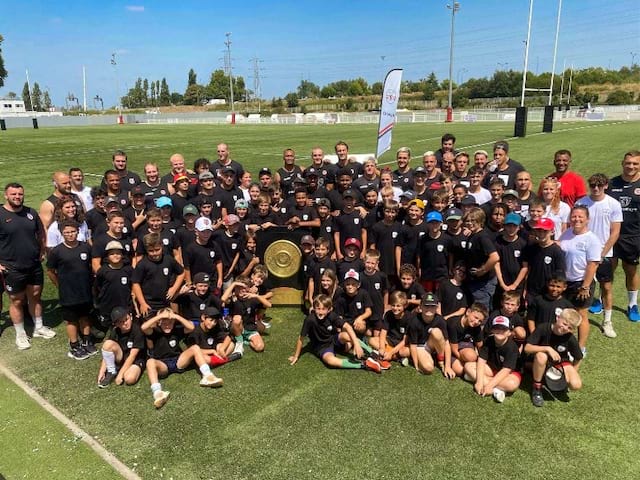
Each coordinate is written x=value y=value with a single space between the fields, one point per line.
x=460 y=169
x=22 y=248
x=326 y=171
x=572 y=185
x=430 y=163
x=480 y=159
x=626 y=189
x=403 y=175
x=153 y=186
x=503 y=167
x=114 y=188
x=177 y=168
x=447 y=144
x=342 y=151
x=370 y=178
x=224 y=161
x=288 y=173
x=128 y=179
x=525 y=195
x=78 y=188
x=61 y=188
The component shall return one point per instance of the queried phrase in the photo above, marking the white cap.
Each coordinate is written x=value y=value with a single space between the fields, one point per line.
x=203 y=223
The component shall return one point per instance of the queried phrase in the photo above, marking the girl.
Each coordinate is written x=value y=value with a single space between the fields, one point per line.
x=66 y=209
x=556 y=210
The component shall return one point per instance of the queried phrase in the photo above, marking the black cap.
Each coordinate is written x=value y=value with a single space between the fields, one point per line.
x=211 y=312
x=264 y=171
x=324 y=202
x=468 y=199
x=201 y=277
x=228 y=170
x=349 y=193
x=118 y=313
x=309 y=172
x=429 y=300
x=137 y=190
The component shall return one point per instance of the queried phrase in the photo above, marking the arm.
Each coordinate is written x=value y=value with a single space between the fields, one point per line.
x=497 y=378
x=533 y=349
x=136 y=289
x=187 y=324
x=173 y=289
x=234 y=264
x=522 y=275
x=479 y=385
x=336 y=241
x=296 y=354
x=413 y=350
x=96 y=263
x=498 y=271
x=398 y=255
x=589 y=275
x=364 y=243
x=133 y=354
x=53 y=276
x=614 y=234
x=357 y=349
x=448 y=371
x=46 y=214
x=363 y=317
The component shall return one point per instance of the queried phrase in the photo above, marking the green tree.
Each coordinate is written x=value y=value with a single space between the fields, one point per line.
x=145 y=93
x=328 y=91
x=3 y=71
x=165 y=96
x=176 y=98
x=46 y=101
x=376 y=88
x=292 y=100
x=26 y=97
x=433 y=81
x=194 y=95
x=192 y=78
x=218 y=86
x=619 y=97
x=308 y=89
x=153 y=93
x=12 y=95
x=36 y=97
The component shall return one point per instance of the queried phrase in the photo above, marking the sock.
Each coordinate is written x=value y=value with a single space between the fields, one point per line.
x=440 y=357
x=633 y=297
x=238 y=338
x=205 y=370
x=38 y=321
x=19 y=329
x=347 y=363
x=155 y=387
x=110 y=360
x=537 y=385
x=365 y=346
x=607 y=315
x=74 y=345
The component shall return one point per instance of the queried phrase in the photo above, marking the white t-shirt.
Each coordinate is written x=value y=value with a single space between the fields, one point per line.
x=562 y=216
x=601 y=215
x=578 y=251
x=54 y=237
x=85 y=198
x=482 y=196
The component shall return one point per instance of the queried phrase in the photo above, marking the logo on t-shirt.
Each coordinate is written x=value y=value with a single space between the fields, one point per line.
x=172 y=343
x=129 y=344
x=165 y=270
x=124 y=280
x=547 y=260
x=29 y=216
x=459 y=296
x=83 y=256
x=516 y=253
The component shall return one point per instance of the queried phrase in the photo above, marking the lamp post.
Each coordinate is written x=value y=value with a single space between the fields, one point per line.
x=454 y=8
x=115 y=70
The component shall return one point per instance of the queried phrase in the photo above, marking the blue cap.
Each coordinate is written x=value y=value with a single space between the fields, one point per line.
x=512 y=219
x=163 y=202
x=434 y=217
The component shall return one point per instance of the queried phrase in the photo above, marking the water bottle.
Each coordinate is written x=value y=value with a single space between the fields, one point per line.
x=226 y=318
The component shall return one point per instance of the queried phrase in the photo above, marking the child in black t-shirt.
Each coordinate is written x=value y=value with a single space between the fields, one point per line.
x=392 y=341
x=212 y=338
x=258 y=276
x=454 y=298
x=375 y=283
x=197 y=297
x=354 y=305
x=546 y=307
x=113 y=283
x=496 y=372
x=321 y=262
x=509 y=306
x=465 y=336
x=409 y=285
x=351 y=259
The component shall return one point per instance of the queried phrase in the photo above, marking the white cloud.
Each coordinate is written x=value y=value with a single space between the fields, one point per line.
x=135 y=8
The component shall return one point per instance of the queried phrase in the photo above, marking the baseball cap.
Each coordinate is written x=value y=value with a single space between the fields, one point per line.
x=189 y=209
x=206 y=176
x=434 y=217
x=468 y=200
x=419 y=171
x=501 y=322
x=435 y=186
x=418 y=203
x=323 y=202
x=201 y=277
x=512 y=219
x=241 y=203
x=310 y=172
x=114 y=245
x=264 y=171
x=545 y=224
x=352 y=275
x=453 y=214
x=180 y=176
x=118 y=313
x=307 y=239
x=231 y=219
x=555 y=379
x=203 y=223
x=211 y=312
x=502 y=145
x=429 y=300
x=137 y=190
x=510 y=193
x=349 y=194
x=163 y=202
x=228 y=170
x=111 y=200
x=408 y=194
x=352 y=241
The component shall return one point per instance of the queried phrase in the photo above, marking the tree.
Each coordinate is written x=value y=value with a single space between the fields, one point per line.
x=36 y=97
x=194 y=95
x=433 y=81
x=12 y=95
x=291 y=99
x=176 y=98
x=46 y=101
x=153 y=93
x=165 y=96
x=26 y=97
x=218 y=86
x=308 y=89
x=620 y=97
x=376 y=88
x=3 y=71
x=192 y=78
x=145 y=93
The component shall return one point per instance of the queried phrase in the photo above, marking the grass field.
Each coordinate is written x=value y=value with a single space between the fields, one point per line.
x=275 y=421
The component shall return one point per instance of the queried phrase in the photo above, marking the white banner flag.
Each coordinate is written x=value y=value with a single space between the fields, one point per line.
x=389 y=103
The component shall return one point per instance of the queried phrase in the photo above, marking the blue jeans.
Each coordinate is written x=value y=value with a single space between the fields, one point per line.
x=483 y=290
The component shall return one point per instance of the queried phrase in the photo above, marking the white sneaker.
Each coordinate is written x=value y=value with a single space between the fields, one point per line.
x=607 y=328
x=160 y=398
x=499 y=395
x=239 y=348
x=22 y=342
x=211 y=381
x=44 y=332
x=467 y=377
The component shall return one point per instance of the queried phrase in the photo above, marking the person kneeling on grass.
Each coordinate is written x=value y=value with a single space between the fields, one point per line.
x=327 y=332
x=552 y=344
x=125 y=348
x=496 y=372
x=167 y=356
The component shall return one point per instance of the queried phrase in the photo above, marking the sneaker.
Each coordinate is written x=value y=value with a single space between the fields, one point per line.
x=584 y=351
x=384 y=364
x=404 y=362
x=160 y=398
x=239 y=349
x=234 y=356
x=89 y=347
x=536 y=397
x=467 y=377
x=596 y=307
x=23 y=342
x=107 y=379
x=499 y=395
x=373 y=365
x=267 y=325
x=607 y=329
x=44 y=332
x=633 y=314
x=211 y=381
x=77 y=353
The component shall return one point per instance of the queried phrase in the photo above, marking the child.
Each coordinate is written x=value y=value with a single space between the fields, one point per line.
x=465 y=336
x=202 y=255
x=454 y=299
x=228 y=241
x=258 y=276
x=125 y=348
x=197 y=297
x=326 y=224
x=375 y=283
x=326 y=332
x=496 y=370
x=354 y=305
x=410 y=287
x=546 y=307
x=307 y=248
x=391 y=343
x=329 y=285
x=384 y=235
x=351 y=259
x=509 y=305
x=348 y=225
x=428 y=335
x=247 y=259
x=212 y=338
x=512 y=269
x=434 y=254
x=406 y=250
x=113 y=283
x=554 y=343
x=321 y=262
x=166 y=355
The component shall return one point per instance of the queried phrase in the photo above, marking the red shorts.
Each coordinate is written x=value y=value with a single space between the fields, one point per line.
x=430 y=285
x=513 y=372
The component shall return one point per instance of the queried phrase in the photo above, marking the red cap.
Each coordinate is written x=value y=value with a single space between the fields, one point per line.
x=180 y=176
x=353 y=241
x=545 y=224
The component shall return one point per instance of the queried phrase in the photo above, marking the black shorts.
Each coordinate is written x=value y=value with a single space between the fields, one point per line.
x=320 y=350
x=171 y=364
x=16 y=281
x=604 y=273
x=571 y=294
x=627 y=249
x=73 y=313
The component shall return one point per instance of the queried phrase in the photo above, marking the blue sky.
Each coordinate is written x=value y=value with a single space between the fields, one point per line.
x=320 y=41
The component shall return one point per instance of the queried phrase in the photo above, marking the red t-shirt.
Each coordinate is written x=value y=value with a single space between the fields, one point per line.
x=572 y=187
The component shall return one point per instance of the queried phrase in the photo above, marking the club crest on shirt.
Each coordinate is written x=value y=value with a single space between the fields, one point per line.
x=83 y=256
x=358 y=305
x=129 y=344
x=172 y=343
x=165 y=270
x=516 y=253
x=459 y=296
x=29 y=216
x=209 y=341
x=124 y=280
x=202 y=306
x=440 y=248
x=547 y=259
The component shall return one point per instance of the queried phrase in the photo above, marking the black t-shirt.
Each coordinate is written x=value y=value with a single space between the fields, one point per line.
x=166 y=345
x=477 y=249
x=325 y=231
x=543 y=264
x=409 y=239
x=385 y=237
x=396 y=327
x=166 y=237
x=192 y=305
x=348 y=225
x=500 y=356
x=134 y=338
x=511 y=257
x=566 y=345
x=459 y=333
x=99 y=246
x=101 y=228
x=507 y=175
x=344 y=265
x=403 y=180
x=207 y=340
x=247 y=310
x=73 y=267
x=414 y=292
x=113 y=286
x=452 y=297
x=153 y=192
x=364 y=184
x=321 y=332
x=628 y=194
x=317 y=268
x=543 y=309
x=183 y=237
x=228 y=247
x=434 y=257
x=95 y=219
x=228 y=198
x=351 y=307
x=376 y=285
x=20 y=240
x=516 y=320
x=286 y=179
x=155 y=278
x=326 y=174
x=419 y=331
x=199 y=258
x=216 y=168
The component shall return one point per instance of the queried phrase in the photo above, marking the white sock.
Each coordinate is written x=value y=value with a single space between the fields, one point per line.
x=38 y=322
x=633 y=297
x=155 y=387
x=19 y=329
x=205 y=370
x=110 y=360
x=607 y=315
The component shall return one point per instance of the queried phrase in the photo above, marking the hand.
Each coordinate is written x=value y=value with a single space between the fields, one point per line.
x=388 y=356
x=357 y=350
x=359 y=325
x=553 y=355
x=119 y=378
x=292 y=360
x=449 y=374
x=479 y=388
x=3 y=268
x=145 y=309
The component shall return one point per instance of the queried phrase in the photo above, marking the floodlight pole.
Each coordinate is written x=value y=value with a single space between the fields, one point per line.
x=526 y=54
x=115 y=70
x=454 y=8
x=29 y=90
x=555 y=51
x=228 y=44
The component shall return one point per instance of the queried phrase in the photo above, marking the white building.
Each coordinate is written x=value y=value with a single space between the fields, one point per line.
x=11 y=106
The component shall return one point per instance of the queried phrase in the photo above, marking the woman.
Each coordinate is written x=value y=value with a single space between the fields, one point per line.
x=66 y=209
x=386 y=180
x=582 y=250
x=556 y=210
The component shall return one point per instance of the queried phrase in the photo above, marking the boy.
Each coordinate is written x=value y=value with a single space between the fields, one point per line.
x=428 y=335
x=384 y=235
x=408 y=285
x=354 y=305
x=326 y=331
x=166 y=355
x=196 y=298
x=351 y=259
x=554 y=343
x=406 y=250
x=512 y=268
x=454 y=299
x=202 y=255
x=228 y=241
x=544 y=257
x=375 y=283
x=465 y=336
x=212 y=338
x=349 y=224
x=391 y=343
x=434 y=257
x=113 y=283
x=326 y=224
x=496 y=370
x=125 y=348
x=321 y=262
x=154 y=225
x=546 y=307
x=509 y=306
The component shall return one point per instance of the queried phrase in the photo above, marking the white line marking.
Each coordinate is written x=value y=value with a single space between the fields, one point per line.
x=105 y=454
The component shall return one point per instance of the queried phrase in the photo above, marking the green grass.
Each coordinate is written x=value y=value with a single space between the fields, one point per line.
x=271 y=420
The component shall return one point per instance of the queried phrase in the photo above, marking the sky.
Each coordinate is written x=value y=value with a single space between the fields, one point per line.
x=319 y=41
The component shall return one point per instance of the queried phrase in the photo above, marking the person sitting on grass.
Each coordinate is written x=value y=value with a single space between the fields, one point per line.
x=546 y=307
x=553 y=344
x=212 y=338
x=391 y=343
x=408 y=275
x=327 y=333
x=125 y=348
x=167 y=356
x=465 y=336
x=195 y=298
x=496 y=372
x=427 y=335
